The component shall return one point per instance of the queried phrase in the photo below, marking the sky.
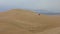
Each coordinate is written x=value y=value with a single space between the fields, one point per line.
x=51 y=5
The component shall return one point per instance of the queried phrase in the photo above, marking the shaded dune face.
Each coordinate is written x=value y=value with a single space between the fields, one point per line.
x=18 y=21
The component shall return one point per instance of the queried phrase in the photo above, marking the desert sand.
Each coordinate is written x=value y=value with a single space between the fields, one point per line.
x=18 y=21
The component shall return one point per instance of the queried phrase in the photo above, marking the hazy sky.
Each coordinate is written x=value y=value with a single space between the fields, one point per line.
x=31 y=4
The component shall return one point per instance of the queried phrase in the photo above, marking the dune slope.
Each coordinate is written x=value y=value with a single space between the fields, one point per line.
x=18 y=21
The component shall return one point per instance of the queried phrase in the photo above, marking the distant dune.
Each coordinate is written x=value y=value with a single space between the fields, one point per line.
x=19 y=21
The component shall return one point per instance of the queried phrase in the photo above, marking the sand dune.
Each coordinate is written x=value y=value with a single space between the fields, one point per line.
x=18 y=21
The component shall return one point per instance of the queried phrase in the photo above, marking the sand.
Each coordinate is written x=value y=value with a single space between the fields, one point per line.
x=18 y=21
